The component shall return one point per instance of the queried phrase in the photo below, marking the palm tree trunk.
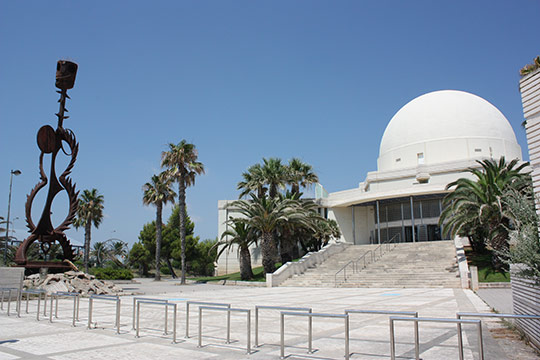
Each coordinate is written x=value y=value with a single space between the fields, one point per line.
x=182 y=215
x=245 y=263
x=159 y=209
x=268 y=250
x=171 y=269
x=87 y=237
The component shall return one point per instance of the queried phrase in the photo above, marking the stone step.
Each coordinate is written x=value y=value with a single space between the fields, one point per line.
x=430 y=264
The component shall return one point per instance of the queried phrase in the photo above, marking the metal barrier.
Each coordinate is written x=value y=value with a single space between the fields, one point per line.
x=354 y=264
x=9 y=290
x=76 y=300
x=402 y=313
x=492 y=315
x=162 y=303
x=208 y=304
x=228 y=310
x=282 y=329
x=135 y=299
x=37 y=292
x=107 y=298
x=478 y=323
x=309 y=310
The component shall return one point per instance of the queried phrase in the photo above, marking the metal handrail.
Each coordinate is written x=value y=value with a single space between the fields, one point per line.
x=310 y=330
x=137 y=298
x=228 y=310
x=76 y=302
x=478 y=324
x=290 y=308
x=226 y=305
x=388 y=245
x=166 y=305
x=114 y=298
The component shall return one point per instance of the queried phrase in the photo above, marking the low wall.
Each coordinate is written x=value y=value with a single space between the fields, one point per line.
x=309 y=260
x=464 y=272
x=526 y=300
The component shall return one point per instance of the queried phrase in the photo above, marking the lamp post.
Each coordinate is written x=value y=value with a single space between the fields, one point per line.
x=16 y=173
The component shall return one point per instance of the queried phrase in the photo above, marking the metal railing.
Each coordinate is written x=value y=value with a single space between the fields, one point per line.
x=228 y=310
x=76 y=300
x=114 y=298
x=478 y=323
x=162 y=303
x=258 y=307
x=310 y=331
x=9 y=290
x=37 y=292
x=492 y=315
x=135 y=299
x=188 y=303
x=357 y=265
x=401 y=313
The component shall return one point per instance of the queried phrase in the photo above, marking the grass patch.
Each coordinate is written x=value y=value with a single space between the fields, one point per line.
x=486 y=273
x=258 y=275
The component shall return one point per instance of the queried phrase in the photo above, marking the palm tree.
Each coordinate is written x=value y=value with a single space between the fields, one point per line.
x=158 y=192
x=266 y=215
x=242 y=235
x=300 y=175
x=475 y=208
x=254 y=181
x=100 y=251
x=181 y=162
x=275 y=175
x=90 y=212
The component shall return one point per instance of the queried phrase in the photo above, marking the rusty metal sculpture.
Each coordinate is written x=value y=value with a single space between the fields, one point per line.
x=51 y=141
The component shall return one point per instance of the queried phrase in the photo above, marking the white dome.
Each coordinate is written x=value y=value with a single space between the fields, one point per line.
x=445 y=126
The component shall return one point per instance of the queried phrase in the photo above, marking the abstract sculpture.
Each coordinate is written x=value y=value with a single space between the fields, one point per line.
x=51 y=141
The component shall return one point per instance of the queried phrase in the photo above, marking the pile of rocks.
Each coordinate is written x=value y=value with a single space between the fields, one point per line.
x=72 y=281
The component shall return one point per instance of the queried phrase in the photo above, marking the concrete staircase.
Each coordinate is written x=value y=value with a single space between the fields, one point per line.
x=421 y=264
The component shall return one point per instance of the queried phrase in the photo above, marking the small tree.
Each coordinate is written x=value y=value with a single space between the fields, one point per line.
x=243 y=236
x=89 y=213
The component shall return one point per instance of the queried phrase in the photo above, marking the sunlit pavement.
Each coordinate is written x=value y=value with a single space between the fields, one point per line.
x=27 y=338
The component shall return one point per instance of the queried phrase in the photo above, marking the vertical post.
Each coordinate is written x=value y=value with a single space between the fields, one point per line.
x=2 y=303
x=460 y=338
x=38 y=306
x=117 y=315
x=90 y=304
x=166 y=316
x=78 y=305
x=56 y=307
x=174 y=323
x=45 y=304
x=310 y=331
x=480 y=342
x=51 y=312
x=392 y=341
x=138 y=323
x=282 y=331
x=248 y=331
x=347 y=337
x=442 y=225
x=353 y=226
x=74 y=309
x=228 y=325
x=412 y=220
x=256 y=326
x=187 y=319
x=378 y=224
x=417 y=339
x=9 y=299
x=200 y=327
x=133 y=318
x=402 y=223
x=27 y=298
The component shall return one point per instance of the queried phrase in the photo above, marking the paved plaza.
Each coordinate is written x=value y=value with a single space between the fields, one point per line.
x=27 y=338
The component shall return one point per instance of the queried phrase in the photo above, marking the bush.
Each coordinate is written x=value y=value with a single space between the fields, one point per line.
x=111 y=274
x=165 y=270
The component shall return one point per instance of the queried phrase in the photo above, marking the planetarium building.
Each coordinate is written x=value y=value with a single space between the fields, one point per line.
x=428 y=143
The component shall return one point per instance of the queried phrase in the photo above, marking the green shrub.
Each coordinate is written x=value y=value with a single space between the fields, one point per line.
x=165 y=270
x=111 y=274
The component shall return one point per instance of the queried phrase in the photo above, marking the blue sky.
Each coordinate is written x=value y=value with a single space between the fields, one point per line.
x=242 y=80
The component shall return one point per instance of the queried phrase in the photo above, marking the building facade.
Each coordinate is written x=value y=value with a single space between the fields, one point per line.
x=430 y=142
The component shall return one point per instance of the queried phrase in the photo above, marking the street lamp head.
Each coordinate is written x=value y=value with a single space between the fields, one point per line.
x=16 y=172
